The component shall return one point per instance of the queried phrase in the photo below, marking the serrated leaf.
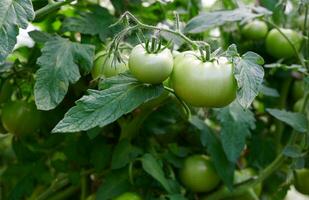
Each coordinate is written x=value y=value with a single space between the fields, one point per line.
x=100 y=108
x=209 y=20
x=60 y=64
x=114 y=184
x=153 y=168
x=39 y=36
x=224 y=167
x=96 y=21
x=249 y=76
x=14 y=14
x=124 y=153
x=297 y=121
x=235 y=128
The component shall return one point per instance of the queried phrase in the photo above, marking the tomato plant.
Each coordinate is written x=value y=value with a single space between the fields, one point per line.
x=169 y=100
x=20 y=118
x=196 y=81
x=255 y=30
x=278 y=46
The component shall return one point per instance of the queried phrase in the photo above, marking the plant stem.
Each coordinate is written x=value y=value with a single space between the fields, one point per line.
x=306 y=33
x=146 y=26
x=55 y=186
x=50 y=8
x=275 y=165
x=300 y=60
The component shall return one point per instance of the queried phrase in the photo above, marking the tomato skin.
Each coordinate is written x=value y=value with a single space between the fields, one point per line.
x=198 y=174
x=301 y=181
x=104 y=66
x=128 y=196
x=203 y=84
x=255 y=30
x=150 y=68
x=20 y=117
x=278 y=47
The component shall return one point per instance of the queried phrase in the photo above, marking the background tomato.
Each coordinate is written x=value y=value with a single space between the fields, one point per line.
x=129 y=196
x=196 y=82
x=20 y=117
x=298 y=90
x=105 y=66
x=255 y=30
x=279 y=47
x=150 y=67
x=198 y=174
x=301 y=180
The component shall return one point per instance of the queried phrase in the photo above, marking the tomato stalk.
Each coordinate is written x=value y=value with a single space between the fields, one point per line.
x=306 y=33
x=50 y=7
x=274 y=166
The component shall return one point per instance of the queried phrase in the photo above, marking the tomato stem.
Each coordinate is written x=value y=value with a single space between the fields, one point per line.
x=50 y=7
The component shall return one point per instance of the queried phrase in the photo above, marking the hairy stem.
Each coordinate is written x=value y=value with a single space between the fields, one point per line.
x=50 y=7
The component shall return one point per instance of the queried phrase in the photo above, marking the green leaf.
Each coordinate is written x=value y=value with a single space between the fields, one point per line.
x=123 y=94
x=39 y=36
x=176 y=197
x=124 y=153
x=292 y=151
x=14 y=14
x=235 y=128
x=224 y=167
x=209 y=20
x=297 y=121
x=271 y=92
x=59 y=66
x=94 y=22
x=249 y=76
x=114 y=184
x=153 y=167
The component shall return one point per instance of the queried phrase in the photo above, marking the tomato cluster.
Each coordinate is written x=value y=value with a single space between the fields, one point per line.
x=277 y=42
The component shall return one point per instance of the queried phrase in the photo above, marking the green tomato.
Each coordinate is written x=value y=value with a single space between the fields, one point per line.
x=301 y=181
x=198 y=174
x=105 y=66
x=203 y=84
x=20 y=117
x=150 y=67
x=128 y=196
x=255 y=30
x=298 y=90
x=279 y=47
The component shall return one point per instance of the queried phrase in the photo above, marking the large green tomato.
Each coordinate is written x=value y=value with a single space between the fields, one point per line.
x=203 y=84
x=150 y=67
x=105 y=66
x=301 y=181
x=20 y=117
x=198 y=174
x=279 y=47
x=255 y=30
x=128 y=196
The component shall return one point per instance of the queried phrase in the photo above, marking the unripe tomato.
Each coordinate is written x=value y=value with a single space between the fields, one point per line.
x=279 y=47
x=20 y=117
x=255 y=30
x=298 y=90
x=301 y=181
x=203 y=84
x=105 y=66
x=151 y=68
x=128 y=196
x=198 y=174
